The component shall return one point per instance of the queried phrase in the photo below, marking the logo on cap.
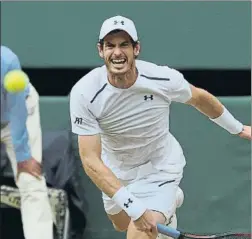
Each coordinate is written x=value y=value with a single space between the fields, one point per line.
x=117 y=22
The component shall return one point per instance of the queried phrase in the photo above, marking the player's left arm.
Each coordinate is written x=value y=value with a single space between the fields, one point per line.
x=210 y=106
x=179 y=90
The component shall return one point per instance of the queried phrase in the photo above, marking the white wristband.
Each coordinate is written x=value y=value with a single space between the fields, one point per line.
x=228 y=122
x=130 y=204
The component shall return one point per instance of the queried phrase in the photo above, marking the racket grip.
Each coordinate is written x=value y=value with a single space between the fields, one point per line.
x=168 y=231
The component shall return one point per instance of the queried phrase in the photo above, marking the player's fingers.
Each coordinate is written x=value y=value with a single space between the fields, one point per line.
x=151 y=232
x=143 y=227
x=149 y=229
x=246 y=136
x=249 y=137
x=154 y=230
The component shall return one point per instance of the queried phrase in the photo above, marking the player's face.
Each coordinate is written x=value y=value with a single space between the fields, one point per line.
x=118 y=53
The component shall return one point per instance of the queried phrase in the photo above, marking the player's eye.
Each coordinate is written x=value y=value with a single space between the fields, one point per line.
x=125 y=44
x=109 y=45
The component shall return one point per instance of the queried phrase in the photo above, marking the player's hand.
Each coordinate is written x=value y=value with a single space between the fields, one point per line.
x=146 y=223
x=246 y=132
x=30 y=166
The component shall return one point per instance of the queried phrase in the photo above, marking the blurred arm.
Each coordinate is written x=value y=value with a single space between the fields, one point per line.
x=18 y=118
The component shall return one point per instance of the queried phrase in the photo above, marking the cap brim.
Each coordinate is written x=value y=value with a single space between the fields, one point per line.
x=111 y=30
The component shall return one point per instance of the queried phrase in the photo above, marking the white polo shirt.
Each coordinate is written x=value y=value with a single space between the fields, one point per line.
x=134 y=122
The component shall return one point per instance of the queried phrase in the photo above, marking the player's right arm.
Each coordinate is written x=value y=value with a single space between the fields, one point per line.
x=106 y=181
x=85 y=125
x=101 y=175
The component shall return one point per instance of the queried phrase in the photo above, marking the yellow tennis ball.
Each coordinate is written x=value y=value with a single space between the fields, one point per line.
x=15 y=81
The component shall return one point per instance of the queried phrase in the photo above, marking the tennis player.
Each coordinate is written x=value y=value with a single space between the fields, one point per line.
x=21 y=134
x=120 y=112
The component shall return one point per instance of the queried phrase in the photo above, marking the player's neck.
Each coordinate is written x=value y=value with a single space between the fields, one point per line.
x=123 y=81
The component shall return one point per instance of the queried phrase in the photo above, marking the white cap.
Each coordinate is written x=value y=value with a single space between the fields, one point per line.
x=118 y=23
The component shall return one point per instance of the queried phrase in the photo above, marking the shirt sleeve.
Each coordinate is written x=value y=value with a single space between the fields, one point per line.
x=18 y=118
x=179 y=90
x=83 y=122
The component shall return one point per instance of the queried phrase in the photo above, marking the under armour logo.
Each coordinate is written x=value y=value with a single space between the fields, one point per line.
x=146 y=97
x=117 y=22
x=128 y=203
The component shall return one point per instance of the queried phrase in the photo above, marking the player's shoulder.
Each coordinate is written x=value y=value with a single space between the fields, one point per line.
x=7 y=55
x=149 y=69
x=88 y=85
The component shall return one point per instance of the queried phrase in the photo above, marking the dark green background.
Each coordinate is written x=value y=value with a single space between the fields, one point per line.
x=182 y=34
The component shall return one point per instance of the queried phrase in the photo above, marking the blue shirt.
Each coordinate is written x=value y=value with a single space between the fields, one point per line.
x=13 y=107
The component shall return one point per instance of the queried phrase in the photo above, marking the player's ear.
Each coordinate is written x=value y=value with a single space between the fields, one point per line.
x=100 y=50
x=137 y=49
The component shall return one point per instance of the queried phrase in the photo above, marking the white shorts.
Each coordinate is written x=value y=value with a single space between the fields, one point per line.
x=157 y=190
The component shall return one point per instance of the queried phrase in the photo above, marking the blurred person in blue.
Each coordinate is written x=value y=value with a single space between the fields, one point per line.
x=22 y=137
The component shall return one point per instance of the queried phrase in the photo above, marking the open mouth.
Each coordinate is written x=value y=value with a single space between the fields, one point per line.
x=118 y=61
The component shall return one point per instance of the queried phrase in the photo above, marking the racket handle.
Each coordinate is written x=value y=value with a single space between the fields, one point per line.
x=168 y=231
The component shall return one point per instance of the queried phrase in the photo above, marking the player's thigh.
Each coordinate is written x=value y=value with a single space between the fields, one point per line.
x=134 y=233
x=33 y=124
x=158 y=191
x=117 y=216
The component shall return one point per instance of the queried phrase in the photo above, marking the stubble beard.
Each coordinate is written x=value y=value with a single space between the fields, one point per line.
x=124 y=80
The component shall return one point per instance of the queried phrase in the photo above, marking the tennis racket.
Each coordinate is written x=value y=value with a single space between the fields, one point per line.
x=171 y=232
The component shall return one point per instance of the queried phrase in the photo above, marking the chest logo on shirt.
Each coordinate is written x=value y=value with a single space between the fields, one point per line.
x=148 y=97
